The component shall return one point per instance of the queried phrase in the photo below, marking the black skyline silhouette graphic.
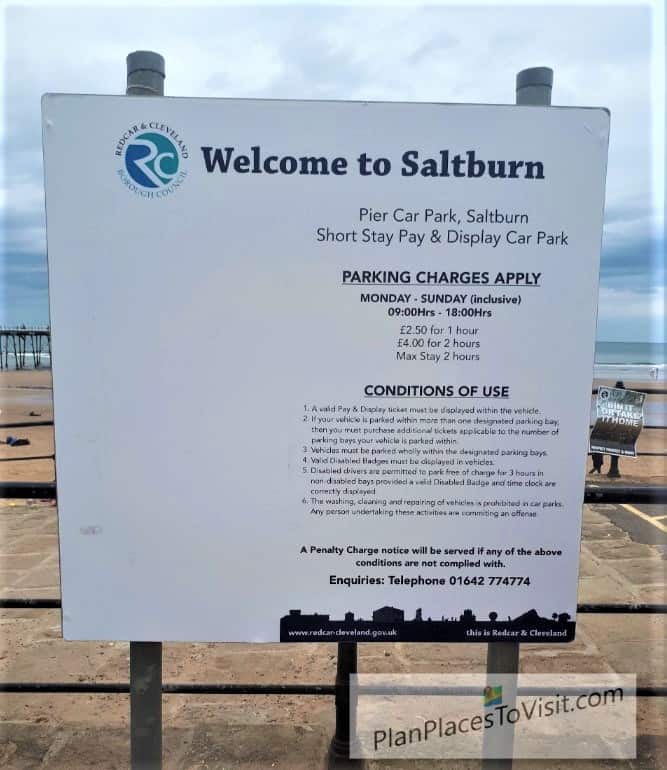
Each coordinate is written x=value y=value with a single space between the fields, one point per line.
x=389 y=624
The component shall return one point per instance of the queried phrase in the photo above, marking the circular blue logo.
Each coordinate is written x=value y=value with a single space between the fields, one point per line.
x=152 y=156
x=151 y=160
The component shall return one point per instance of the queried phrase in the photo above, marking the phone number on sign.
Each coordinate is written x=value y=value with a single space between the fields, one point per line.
x=493 y=580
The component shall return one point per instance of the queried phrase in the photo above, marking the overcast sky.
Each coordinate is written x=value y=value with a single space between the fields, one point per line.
x=607 y=55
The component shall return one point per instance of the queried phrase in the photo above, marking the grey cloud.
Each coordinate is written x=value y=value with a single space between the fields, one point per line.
x=633 y=263
x=437 y=44
x=219 y=82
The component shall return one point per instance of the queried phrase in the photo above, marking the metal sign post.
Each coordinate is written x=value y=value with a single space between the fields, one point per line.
x=146 y=705
x=145 y=77
x=533 y=87
x=339 y=750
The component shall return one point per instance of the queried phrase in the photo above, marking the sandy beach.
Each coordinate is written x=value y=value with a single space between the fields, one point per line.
x=25 y=396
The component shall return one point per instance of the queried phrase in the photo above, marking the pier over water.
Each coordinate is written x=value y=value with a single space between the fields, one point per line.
x=25 y=345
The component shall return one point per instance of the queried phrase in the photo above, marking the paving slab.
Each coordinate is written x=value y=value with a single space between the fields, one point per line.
x=602 y=531
x=643 y=658
x=23 y=561
x=44 y=575
x=625 y=628
x=596 y=513
x=45 y=543
x=618 y=548
x=641 y=572
x=652 y=594
x=604 y=588
x=588 y=566
x=564 y=664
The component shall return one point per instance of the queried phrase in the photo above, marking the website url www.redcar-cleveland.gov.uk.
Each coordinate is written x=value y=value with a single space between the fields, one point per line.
x=319 y=633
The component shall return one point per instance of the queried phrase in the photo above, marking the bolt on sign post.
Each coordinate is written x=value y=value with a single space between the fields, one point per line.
x=360 y=412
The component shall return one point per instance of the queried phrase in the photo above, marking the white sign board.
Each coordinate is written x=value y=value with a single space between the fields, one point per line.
x=321 y=370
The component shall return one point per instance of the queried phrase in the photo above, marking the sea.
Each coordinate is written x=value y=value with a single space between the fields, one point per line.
x=634 y=361
x=640 y=363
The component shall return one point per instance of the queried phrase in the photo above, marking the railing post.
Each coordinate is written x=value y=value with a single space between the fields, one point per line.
x=339 y=750
x=533 y=87
x=145 y=77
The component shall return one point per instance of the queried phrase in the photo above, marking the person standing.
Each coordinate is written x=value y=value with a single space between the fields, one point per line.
x=598 y=460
